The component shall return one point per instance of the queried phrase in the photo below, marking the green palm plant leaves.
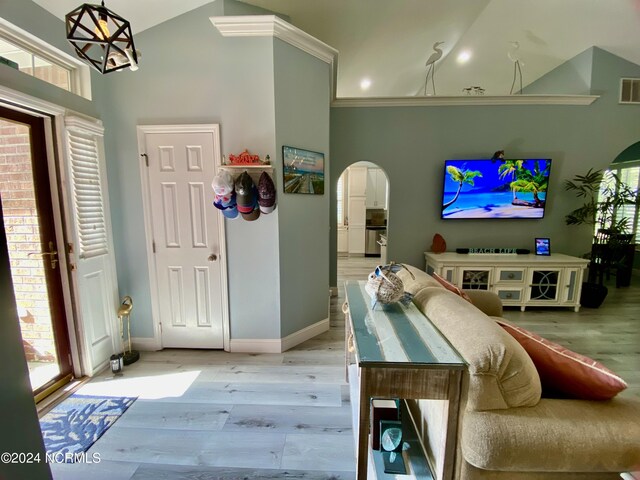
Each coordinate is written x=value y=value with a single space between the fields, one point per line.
x=510 y=168
x=535 y=182
x=604 y=194
x=461 y=177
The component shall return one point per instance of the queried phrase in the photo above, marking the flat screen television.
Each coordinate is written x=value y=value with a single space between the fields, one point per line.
x=500 y=188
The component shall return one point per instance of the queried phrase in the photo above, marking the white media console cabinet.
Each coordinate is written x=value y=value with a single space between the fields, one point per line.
x=519 y=280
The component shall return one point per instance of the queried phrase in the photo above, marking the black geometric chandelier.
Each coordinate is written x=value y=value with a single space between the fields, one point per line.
x=102 y=38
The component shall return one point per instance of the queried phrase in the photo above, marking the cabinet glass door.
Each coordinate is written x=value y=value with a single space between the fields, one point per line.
x=571 y=284
x=544 y=285
x=476 y=279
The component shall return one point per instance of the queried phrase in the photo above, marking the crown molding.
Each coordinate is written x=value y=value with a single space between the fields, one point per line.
x=447 y=101
x=274 y=26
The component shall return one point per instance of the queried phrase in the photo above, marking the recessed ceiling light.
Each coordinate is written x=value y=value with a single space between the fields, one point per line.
x=365 y=83
x=464 y=56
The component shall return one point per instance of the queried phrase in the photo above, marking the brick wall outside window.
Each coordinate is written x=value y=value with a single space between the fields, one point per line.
x=23 y=237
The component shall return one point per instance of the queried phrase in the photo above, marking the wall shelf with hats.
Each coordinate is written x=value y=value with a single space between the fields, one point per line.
x=246 y=162
x=244 y=187
x=253 y=170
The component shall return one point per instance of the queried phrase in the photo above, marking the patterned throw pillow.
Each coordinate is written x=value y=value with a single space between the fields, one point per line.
x=451 y=287
x=565 y=373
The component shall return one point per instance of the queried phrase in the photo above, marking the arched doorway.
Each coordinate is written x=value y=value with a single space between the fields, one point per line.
x=362 y=219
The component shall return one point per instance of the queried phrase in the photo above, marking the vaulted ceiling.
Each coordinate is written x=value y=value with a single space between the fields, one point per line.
x=388 y=42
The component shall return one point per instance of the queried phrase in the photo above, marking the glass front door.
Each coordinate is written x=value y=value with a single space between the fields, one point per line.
x=29 y=223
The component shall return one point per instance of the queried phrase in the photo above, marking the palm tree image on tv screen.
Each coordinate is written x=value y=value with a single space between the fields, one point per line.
x=495 y=188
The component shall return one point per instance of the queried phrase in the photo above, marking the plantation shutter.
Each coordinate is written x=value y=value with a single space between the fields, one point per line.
x=94 y=277
x=87 y=190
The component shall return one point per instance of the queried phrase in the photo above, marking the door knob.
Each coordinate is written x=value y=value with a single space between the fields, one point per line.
x=53 y=255
x=213 y=257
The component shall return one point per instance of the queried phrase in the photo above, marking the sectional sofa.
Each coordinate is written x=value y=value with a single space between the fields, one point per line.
x=506 y=430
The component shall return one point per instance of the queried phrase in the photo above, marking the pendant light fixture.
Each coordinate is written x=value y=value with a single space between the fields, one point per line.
x=102 y=38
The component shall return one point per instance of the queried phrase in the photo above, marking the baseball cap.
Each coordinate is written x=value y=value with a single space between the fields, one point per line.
x=266 y=193
x=222 y=183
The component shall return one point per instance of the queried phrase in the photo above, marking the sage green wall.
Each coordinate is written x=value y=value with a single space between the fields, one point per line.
x=412 y=143
x=302 y=100
x=573 y=77
x=19 y=427
x=630 y=154
x=190 y=74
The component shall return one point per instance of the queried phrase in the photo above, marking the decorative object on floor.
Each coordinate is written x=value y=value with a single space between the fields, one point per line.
x=543 y=246
x=430 y=64
x=225 y=195
x=102 y=38
x=76 y=423
x=438 y=245
x=566 y=373
x=124 y=311
x=385 y=287
x=247 y=197
x=517 y=64
x=266 y=193
x=116 y=362
x=303 y=171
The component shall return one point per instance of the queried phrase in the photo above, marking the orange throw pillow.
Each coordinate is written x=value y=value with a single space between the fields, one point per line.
x=451 y=287
x=565 y=373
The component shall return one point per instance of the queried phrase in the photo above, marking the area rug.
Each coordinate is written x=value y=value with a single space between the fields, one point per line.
x=76 y=423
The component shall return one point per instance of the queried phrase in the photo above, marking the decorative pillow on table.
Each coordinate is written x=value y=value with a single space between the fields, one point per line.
x=566 y=373
x=451 y=287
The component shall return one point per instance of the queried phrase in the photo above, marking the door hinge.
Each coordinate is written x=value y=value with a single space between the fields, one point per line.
x=70 y=362
x=153 y=246
x=146 y=158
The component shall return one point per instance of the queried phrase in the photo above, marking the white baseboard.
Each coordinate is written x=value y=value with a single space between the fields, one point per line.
x=278 y=345
x=255 y=345
x=305 y=334
x=145 y=344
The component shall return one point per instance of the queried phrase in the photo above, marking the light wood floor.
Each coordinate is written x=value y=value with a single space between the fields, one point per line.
x=205 y=415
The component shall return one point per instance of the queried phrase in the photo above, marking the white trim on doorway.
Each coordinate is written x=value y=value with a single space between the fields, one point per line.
x=53 y=116
x=156 y=342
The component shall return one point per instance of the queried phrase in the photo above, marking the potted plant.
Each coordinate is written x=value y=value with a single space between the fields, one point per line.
x=604 y=196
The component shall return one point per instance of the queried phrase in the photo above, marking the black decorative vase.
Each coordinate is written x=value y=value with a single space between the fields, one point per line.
x=593 y=294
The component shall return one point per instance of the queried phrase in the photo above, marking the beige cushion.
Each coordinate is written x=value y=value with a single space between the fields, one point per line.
x=501 y=374
x=555 y=435
x=419 y=280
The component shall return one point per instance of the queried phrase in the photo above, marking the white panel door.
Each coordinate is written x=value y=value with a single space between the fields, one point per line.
x=94 y=276
x=185 y=228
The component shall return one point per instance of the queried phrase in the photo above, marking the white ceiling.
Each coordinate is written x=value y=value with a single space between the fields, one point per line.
x=390 y=41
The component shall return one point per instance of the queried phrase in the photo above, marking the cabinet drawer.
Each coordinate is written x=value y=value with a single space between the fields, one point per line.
x=511 y=275
x=510 y=295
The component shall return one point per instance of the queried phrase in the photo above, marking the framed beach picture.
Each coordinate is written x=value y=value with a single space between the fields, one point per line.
x=303 y=171
x=543 y=246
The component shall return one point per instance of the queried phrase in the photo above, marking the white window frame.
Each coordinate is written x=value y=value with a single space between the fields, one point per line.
x=79 y=73
x=635 y=82
x=340 y=200
x=634 y=222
